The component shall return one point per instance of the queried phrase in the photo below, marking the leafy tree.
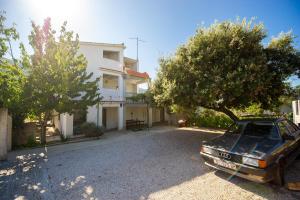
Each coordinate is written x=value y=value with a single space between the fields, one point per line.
x=225 y=67
x=57 y=76
x=12 y=78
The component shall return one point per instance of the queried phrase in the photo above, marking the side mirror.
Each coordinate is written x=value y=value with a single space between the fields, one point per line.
x=288 y=137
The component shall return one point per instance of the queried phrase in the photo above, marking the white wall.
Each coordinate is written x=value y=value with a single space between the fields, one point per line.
x=296 y=111
x=131 y=88
x=137 y=113
x=5 y=133
x=94 y=56
x=66 y=122
x=110 y=82
x=156 y=115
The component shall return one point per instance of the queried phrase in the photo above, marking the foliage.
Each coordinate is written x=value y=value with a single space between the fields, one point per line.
x=12 y=78
x=225 y=67
x=137 y=98
x=31 y=142
x=210 y=118
x=146 y=97
x=90 y=130
x=254 y=109
x=57 y=77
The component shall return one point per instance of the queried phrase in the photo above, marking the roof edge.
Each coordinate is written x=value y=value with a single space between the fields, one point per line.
x=103 y=44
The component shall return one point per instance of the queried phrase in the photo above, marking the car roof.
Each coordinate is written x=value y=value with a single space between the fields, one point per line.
x=261 y=119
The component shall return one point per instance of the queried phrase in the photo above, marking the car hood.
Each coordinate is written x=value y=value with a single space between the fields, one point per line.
x=255 y=147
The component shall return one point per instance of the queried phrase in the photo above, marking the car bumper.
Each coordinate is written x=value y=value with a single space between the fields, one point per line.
x=243 y=171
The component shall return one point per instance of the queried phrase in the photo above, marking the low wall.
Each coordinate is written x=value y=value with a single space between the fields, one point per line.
x=5 y=133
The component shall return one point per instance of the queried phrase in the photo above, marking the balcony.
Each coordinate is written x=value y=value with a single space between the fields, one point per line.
x=110 y=95
x=135 y=98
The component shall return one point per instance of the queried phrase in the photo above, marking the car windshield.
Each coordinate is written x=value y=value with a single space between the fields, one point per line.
x=261 y=129
x=235 y=128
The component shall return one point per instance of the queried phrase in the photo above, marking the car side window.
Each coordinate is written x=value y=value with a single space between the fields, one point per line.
x=290 y=127
x=283 y=129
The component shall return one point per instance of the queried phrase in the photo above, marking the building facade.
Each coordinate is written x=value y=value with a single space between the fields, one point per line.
x=119 y=82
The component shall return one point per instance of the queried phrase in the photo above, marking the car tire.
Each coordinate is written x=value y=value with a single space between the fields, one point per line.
x=278 y=178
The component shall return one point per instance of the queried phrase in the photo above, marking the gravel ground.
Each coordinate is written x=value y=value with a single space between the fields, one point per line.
x=162 y=163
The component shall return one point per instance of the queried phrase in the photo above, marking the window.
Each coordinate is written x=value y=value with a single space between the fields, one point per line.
x=290 y=127
x=261 y=129
x=112 y=55
x=282 y=128
x=297 y=107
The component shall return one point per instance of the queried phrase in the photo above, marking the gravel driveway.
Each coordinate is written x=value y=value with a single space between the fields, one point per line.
x=162 y=163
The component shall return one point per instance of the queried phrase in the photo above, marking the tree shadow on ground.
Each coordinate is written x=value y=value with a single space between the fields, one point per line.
x=23 y=176
x=130 y=166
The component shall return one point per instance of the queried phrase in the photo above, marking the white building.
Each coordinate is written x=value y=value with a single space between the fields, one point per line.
x=296 y=111
x=119 y=79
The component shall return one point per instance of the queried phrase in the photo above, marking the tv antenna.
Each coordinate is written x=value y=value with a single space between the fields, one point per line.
x=137 y=45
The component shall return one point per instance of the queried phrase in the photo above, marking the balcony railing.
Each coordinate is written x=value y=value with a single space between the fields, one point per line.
x=135 y=98
x=111 y=95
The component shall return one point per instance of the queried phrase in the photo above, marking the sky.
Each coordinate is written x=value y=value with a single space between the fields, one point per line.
x=162 y=24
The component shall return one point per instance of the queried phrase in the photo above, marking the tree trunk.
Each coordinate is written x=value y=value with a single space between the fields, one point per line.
x=43 y=124
x=229 y=113
x=43 y=133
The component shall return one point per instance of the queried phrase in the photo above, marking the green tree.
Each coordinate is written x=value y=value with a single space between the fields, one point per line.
x=12 y=78
x=57 y=76
x=225 y=67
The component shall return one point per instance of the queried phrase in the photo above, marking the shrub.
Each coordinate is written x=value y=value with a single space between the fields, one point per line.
x=31 y=142
x=209 y=118
x=90 y=130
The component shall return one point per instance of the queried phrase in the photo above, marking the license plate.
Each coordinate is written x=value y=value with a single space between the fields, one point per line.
x=225 y=164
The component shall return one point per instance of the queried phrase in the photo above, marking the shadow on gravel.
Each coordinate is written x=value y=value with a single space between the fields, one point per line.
x=22 y=177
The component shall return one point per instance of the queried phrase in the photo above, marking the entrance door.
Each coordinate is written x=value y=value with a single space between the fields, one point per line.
x=104 y=117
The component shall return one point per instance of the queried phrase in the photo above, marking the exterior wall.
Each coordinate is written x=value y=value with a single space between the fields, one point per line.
x=139 y=113
x=9 y=133
x=296 y=111
x=66 y=122
x=111 y=83
x=94 y=55
x=5 y=133
x=131 y=88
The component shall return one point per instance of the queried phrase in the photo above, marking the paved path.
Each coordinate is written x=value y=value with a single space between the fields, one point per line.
x=163 y=163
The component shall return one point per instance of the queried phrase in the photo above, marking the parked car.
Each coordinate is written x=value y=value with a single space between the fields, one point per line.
x=255 y=149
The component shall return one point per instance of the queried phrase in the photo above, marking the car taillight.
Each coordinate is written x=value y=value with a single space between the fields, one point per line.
x=262 y=163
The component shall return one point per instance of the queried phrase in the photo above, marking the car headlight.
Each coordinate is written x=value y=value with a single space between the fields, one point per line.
x=206 y=150
x=254 y=162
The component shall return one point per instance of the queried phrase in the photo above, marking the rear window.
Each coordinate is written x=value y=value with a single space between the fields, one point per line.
x=261 y=129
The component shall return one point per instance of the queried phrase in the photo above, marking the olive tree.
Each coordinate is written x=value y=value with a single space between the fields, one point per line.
x=226 y=66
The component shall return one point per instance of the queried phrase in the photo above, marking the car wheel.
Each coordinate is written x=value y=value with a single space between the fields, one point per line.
x=279 y=176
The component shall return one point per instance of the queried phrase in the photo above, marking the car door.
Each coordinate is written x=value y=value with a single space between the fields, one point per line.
x=289 y=145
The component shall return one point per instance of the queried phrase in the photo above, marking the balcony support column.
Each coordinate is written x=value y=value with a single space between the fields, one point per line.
x=121 y=87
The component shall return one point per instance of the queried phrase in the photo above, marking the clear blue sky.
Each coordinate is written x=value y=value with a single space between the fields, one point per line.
x=164 y=24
